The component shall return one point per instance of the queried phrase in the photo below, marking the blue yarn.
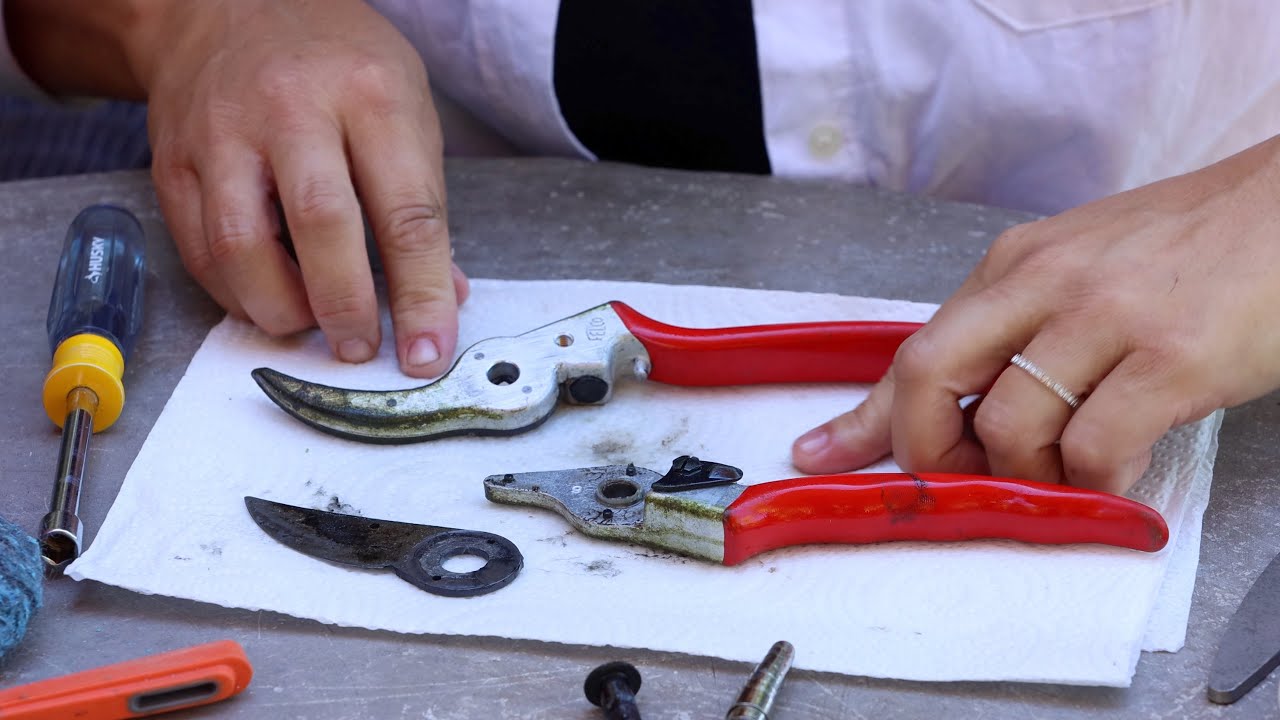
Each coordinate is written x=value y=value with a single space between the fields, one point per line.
x=21 y=583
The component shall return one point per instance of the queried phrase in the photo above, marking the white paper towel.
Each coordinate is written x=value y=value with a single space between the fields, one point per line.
x=985 y=610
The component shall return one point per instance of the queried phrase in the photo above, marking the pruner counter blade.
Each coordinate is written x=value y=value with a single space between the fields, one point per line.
x=625 y=503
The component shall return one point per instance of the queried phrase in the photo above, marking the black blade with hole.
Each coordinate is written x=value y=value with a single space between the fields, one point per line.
x=417 y=553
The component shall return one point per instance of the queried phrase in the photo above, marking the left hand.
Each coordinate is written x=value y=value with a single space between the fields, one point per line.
x=1157 y=306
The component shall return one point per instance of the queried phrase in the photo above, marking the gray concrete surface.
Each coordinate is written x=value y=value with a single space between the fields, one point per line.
x=560 y=219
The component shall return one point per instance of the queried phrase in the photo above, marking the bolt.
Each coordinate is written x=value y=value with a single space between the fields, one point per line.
x=612 y=687
x=588 y=389
x=755 y=702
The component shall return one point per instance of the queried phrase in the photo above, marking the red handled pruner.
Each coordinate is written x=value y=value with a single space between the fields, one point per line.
x=506 y=385
x=700 y=509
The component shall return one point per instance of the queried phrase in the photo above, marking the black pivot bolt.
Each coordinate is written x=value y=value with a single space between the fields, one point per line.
x=588 y=389
x=613 y=687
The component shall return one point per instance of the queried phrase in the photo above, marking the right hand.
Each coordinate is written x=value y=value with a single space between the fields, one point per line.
x=1155 y=306
x=321 y=105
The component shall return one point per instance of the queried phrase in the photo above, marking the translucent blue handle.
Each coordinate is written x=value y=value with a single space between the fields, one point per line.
x=100 y=276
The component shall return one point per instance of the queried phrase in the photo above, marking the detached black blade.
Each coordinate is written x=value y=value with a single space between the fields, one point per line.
x=417 y=553
x=1250 y=649
x=346 y=539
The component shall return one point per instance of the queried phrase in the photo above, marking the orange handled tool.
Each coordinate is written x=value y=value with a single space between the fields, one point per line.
x=137 y=688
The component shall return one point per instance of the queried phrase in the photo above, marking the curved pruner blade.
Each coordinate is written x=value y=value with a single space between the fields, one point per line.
x=499 y=386
x=396 y=416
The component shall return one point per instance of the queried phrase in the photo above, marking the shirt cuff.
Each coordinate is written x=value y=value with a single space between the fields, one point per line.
x=13 y=81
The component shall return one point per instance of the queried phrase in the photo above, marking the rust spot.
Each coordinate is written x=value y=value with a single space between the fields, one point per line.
x=601 y=567
x=613 y=450
x=557 y=539
x=677 y=434
x=337 y=506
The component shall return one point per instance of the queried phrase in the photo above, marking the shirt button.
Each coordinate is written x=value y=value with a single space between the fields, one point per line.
x=825 y=141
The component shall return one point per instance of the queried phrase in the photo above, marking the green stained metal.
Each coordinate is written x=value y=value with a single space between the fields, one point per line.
x=689 y=523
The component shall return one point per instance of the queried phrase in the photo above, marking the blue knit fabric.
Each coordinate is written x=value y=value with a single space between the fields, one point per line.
x=43 y=139
x=21 y=583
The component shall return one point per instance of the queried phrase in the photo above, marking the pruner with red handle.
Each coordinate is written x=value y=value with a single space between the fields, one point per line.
x=700 y=509
x=506 y=385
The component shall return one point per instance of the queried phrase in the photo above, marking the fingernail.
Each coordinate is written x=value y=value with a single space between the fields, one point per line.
x=423 y=351
x=355 y=350
x=813 y=442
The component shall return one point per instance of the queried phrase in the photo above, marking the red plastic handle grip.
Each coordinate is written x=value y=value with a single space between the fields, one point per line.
x=877 y=507
x=837 y=351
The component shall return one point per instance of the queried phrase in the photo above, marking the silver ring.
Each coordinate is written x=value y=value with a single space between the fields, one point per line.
x=1058 y=388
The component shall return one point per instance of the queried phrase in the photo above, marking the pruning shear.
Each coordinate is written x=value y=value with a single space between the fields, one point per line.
x=507 y=385
x=698 y=508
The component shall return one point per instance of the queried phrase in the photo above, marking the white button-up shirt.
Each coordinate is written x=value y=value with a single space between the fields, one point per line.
x=1031 y=104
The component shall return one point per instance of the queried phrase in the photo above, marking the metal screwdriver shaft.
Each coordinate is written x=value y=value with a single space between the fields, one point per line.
x=757 y=696
x=60 y=532
x=94 y=316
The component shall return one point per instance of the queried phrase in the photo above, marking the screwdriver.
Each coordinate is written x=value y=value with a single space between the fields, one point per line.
x=94 y=317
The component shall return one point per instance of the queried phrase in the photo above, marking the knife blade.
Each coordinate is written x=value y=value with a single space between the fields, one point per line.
x=416 y=553
x=1250 y=649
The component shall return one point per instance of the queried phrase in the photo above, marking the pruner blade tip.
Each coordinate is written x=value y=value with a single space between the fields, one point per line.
x=327 y=409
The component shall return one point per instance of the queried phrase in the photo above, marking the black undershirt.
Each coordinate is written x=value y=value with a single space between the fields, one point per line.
x=669 y=83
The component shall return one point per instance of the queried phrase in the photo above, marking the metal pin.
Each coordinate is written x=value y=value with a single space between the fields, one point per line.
x=640 y=368
x=757 y=696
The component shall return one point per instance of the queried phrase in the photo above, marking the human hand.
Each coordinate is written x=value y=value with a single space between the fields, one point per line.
x=326 y=107
x=1157 y=306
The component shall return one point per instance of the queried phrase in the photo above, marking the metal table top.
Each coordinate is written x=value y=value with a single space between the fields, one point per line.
x=530 y=219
